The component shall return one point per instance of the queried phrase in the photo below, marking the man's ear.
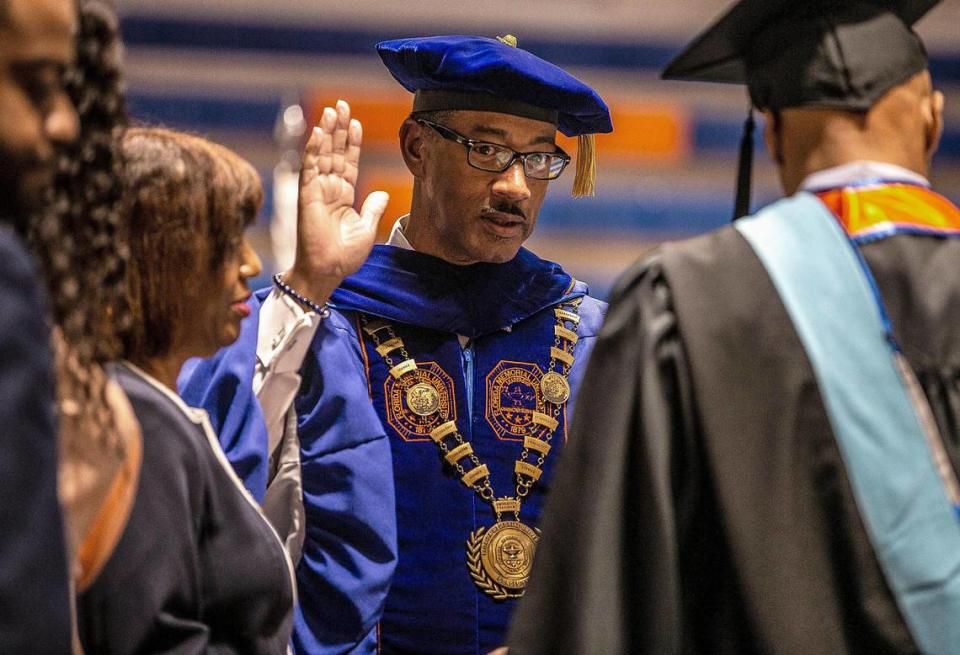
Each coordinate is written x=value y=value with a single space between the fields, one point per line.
x=771 y=135
x=412 y=146
x=933 y=121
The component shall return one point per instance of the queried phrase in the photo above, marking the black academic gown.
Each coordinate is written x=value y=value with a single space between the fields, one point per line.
x=702 y=505
x=197 y=569
x=34 y=595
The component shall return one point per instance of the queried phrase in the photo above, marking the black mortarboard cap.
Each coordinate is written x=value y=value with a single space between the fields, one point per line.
x=819 y=53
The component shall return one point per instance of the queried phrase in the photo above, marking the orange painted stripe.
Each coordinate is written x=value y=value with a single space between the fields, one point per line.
x=642 y=130
x=381 y=112
x=397 y=183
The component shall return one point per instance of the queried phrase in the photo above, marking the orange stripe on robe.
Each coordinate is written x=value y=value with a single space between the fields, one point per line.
x=884 y=209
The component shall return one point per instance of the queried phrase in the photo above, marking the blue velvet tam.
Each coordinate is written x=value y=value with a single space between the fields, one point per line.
x=476 y=73
x=470 y=64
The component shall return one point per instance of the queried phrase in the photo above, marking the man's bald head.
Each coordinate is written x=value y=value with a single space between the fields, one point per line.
x=903 y=127
x=36 y=115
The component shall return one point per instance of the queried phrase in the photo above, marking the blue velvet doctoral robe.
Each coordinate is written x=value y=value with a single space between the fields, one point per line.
x=507 y=311
x=492 y=385
x=34 y=595
x=349 y=551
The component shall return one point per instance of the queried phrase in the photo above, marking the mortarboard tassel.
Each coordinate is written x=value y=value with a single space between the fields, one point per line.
x=585 y=180
x=745 y=168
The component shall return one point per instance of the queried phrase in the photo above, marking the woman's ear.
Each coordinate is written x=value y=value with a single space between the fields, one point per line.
x=412 y=146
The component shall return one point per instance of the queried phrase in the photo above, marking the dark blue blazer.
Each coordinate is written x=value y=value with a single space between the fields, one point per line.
x=34 y=596
x=198 y=569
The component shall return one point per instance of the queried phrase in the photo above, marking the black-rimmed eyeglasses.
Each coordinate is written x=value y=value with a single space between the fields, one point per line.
x=496 y=158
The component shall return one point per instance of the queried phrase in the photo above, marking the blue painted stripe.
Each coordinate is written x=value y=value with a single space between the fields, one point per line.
x=204 y=113
x=208 y=34
x=945 y=69
x=716 y=134
x=642 y=213
x=309 y=40
x=949 y=146
x=710 y=134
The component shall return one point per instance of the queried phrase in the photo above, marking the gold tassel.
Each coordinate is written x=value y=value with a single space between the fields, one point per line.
x=585 y=180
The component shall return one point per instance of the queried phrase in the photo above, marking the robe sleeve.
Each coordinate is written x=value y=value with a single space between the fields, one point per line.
x=349 y=549
x=34 y=605
x=223 y=386
x=350 y=545
x=606 y=578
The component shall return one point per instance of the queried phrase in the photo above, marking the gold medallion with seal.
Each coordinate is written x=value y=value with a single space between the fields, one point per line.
x=421 y=405
x=419 y=401
x=423 y=399
x=555 y=388
x=500 y=559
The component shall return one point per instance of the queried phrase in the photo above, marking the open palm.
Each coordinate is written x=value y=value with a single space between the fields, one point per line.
x=333 y=239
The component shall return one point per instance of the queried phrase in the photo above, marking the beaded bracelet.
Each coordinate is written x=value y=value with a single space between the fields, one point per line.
x=321 y=310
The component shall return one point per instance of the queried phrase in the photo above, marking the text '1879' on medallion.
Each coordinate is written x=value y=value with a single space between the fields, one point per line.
x=423 y=399
x=555 y=388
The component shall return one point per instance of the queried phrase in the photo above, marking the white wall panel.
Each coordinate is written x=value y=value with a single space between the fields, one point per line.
x=660 y=20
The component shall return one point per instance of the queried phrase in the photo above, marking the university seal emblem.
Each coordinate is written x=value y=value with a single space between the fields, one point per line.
x=419 y=402
x=513 y=394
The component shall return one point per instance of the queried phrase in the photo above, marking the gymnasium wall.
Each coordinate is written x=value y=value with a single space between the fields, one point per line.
x=227 y=68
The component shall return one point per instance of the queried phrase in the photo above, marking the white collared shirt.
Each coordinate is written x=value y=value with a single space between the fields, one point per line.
x=859 y=171
x=397 y=237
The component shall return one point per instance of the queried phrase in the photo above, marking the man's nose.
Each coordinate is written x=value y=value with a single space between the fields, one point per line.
x=62 y=124
x=512 y=183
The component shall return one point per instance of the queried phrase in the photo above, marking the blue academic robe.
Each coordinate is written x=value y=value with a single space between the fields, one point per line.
x=349 y=550
x=34 y=596
x=507 y=311
x=492 y=385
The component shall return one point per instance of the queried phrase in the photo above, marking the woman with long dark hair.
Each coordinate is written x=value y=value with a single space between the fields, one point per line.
x=82 y=260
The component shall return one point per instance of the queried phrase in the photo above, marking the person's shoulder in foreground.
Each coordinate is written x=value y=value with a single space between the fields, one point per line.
x=36 y=115
x=32 y=550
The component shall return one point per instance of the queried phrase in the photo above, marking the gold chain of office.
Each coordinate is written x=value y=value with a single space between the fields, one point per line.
x=499 y=559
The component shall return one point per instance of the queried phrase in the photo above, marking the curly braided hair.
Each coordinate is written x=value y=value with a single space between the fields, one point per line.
x=78 y=239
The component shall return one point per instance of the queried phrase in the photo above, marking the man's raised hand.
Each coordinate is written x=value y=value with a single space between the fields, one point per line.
x=333 y=239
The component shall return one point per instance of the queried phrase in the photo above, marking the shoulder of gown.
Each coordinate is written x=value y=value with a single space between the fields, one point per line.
x=623 y=466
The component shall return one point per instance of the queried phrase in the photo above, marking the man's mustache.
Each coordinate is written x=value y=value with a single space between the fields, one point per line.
x=506 y=208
